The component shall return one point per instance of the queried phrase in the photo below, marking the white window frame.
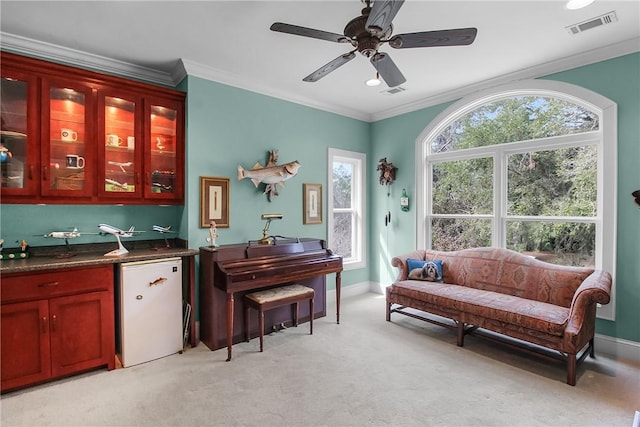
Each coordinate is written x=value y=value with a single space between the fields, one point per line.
x=605 y=139
x=358 y=205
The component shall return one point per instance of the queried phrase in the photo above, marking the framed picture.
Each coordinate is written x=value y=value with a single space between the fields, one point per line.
x=214 y=201
x=312 y=201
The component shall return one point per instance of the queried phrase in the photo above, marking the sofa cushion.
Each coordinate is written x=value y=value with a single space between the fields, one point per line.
x=526 y=313
x=511 y=273
x=430 y=271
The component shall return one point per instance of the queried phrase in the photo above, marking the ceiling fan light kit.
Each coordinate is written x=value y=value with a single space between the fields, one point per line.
x=578 y=4
x=374 y=81
x=366 y=33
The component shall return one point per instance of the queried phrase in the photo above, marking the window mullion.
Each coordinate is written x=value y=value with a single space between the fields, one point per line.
x=499 y=199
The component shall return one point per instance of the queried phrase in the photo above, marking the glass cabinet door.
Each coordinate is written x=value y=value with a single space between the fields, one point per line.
x=67 y=149
x=18 y=133
x=120 y=135
x=164 y=154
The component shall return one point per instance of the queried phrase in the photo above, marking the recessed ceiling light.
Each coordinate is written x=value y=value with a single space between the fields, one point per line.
x=578 y=4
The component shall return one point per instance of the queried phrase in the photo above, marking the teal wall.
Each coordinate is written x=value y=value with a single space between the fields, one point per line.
x=617 y=79
x=227 y=126
x=30 y=222
x=394 y=139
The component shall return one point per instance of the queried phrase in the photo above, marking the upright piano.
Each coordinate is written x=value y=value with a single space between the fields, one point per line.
x=228 y=272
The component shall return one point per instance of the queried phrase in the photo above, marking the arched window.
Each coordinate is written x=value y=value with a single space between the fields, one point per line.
x=529 y=167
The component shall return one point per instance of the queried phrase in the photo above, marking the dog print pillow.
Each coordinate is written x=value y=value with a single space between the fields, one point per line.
x=431 y=271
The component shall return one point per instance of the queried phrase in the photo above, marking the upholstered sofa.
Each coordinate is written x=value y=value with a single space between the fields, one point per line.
x=509 y=294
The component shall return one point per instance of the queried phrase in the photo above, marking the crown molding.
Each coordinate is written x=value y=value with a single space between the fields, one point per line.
x=51 y=52
x=195 y=69
x=185 y=67
x=586 y=58
x=64 y=55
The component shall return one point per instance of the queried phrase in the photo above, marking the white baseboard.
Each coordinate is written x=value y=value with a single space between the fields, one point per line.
x=617 y=347
x=349 y=291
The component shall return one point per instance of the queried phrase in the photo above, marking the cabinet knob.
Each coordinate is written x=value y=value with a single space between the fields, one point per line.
x=43 y=324
x=54 y=322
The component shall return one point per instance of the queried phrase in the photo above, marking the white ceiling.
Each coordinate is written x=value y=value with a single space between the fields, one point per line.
x=230 y=42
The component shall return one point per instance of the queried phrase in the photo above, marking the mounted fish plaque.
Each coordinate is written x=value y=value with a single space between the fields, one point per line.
x=271 y=175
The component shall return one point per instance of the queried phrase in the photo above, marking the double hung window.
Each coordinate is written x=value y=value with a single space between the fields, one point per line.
x=346 y=204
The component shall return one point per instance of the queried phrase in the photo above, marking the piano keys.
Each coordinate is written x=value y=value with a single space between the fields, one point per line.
x=228 y=272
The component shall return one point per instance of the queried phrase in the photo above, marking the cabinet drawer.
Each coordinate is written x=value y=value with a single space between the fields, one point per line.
x=51 y=283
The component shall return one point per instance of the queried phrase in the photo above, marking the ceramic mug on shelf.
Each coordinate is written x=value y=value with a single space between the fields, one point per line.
x=68 y=135
x=113 y=140
x=75 y=162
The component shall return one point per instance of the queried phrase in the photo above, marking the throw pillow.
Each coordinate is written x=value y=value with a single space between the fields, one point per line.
x=430 y=271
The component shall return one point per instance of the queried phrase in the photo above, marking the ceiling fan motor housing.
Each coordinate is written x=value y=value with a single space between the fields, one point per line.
x=364 y=39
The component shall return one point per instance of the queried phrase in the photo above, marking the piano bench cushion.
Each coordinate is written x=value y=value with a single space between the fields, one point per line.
x=289 y=292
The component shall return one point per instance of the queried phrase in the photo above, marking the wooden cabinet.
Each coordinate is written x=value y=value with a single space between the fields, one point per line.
x=140 y=161
x=120 y=158
x=163 y=157
x=25 y=343
x=66 y=139
x=56 y=323
x=19 y=155
x=76 y=136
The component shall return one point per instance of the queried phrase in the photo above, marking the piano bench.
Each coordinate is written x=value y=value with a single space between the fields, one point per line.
x=273 y=298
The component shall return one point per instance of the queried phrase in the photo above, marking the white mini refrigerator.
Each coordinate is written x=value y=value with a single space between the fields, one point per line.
x=150 y=310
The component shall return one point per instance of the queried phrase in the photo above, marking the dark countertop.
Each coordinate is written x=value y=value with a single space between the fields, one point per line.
x=44 y=258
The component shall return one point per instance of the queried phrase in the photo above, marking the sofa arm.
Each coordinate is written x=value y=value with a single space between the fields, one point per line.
x=400 y=262
x=595 y=289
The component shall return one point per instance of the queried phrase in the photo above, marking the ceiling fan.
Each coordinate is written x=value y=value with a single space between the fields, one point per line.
x=368 y=32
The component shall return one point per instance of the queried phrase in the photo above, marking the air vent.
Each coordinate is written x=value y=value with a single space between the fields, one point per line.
x=395 y=90
x=607 y=18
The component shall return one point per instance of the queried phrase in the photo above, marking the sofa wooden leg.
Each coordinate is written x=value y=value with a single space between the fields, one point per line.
x=388 y=311
x=592 y=348
x=460 y=333
x=571 y=369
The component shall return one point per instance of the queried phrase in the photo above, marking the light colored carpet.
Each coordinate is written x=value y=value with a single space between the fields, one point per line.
x=365 y=371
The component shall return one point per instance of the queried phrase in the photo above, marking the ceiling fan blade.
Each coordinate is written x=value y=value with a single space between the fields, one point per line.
x=455 y=37
x=326 y=69
x=309 y=32
x=382 y=13
x=387 y=69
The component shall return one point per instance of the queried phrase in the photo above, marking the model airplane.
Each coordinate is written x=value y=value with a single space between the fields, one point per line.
x=66 y=235
x=121 y=165
x=109 y=229
x=163 y=231
x=122 y=185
